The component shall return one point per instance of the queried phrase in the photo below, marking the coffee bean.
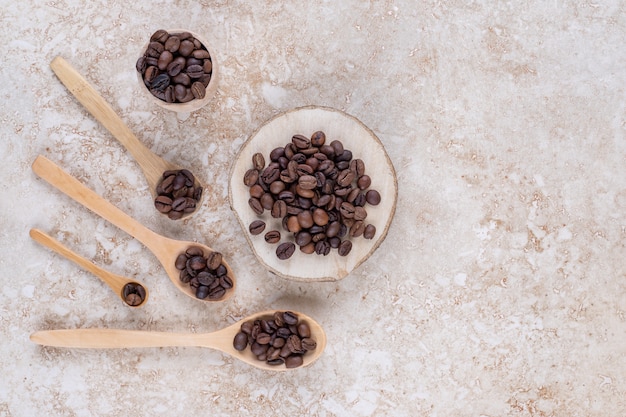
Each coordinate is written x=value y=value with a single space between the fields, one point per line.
x=134 y=294
x=285 y=250
x=344 y=248
x=214 y=260
x=318 y=138
x=273 y=236
x=372 y=197
x=258 y=161
x=369 y=232
x=256 y=227
x=241 y=341
x=255 y=205
x=198 y=90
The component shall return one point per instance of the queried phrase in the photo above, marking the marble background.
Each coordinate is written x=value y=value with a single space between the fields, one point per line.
x=500 y=289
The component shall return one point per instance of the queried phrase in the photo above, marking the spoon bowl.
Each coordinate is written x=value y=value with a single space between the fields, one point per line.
x=152 y=165
x=166 y=250
x=221 y=340
x=116 y=282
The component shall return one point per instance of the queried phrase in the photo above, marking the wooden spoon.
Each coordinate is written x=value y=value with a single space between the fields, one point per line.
x=116 y=282
x=165 y=249
x=152 y=165
x=221 y=340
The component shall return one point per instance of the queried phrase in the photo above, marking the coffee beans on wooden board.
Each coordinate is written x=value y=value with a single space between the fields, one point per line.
x=134 y=293
x=277 y=340
x=177 y=194
x=175 y=67
x=318 y=191
x=205 y=273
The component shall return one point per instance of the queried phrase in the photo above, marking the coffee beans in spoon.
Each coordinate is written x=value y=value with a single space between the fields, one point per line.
x=281 y=339
x=177 y=193
x=318 y=191
x=204 y=272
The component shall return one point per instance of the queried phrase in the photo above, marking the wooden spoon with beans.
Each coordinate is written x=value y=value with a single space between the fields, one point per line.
x=165 y=249
x=130 y=291
x=222 y=340
x=152 y=165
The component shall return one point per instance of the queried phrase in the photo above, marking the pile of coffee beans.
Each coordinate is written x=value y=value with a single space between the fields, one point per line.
x=205 y=273
x=317 y=190
x=134 y=294
x=177 y=193
x=277 y=340
x=176 y=67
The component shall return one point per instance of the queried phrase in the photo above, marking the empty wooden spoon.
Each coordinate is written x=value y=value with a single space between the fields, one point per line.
x=133 y=293
x=152 y=165
x=221 y=340
x=165 y=249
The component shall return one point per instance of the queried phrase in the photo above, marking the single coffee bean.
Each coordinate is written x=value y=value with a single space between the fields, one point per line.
x=369 y=232
x=372 y=197
x=214 y=260
x=285 y=250
x=163 y=203
x=241 y=341
x=256 y=227
x=293 y=361
x=273 y=236
x=318 y=138
x=198 y=90
x=255 y=205
x=159 y=36
x=290 y=318
x=308 y=344
x=195 y=71
x=258 y=161
x=300 y=141
x=344 y=248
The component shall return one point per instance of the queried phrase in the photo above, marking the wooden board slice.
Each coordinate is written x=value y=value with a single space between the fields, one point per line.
x=356 y=137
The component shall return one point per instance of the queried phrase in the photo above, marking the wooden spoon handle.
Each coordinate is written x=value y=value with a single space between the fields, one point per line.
x=152 y=165
x=74 y=189
x=114 y=338
x=114 y=281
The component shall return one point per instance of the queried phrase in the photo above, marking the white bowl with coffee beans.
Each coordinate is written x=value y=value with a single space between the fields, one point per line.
x=178 y=70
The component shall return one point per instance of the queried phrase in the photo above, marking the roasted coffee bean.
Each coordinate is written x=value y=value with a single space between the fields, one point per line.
x=369 y=232
x=163 y=203
x=293 y=361
x=258 y=161
x=273 y=236
x=134 y=294
x=308 y=344
x=344 y=248
x=198 y=90
x=372 y=197
x=318 y=138
x=256 y=227
x=160 y=36
x=255 y=205
x=214 y=260
x=241 y=341
x=285 y=250
x=179 y=58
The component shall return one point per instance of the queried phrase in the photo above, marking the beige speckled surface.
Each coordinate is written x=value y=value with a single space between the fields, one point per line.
x=500 y=289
